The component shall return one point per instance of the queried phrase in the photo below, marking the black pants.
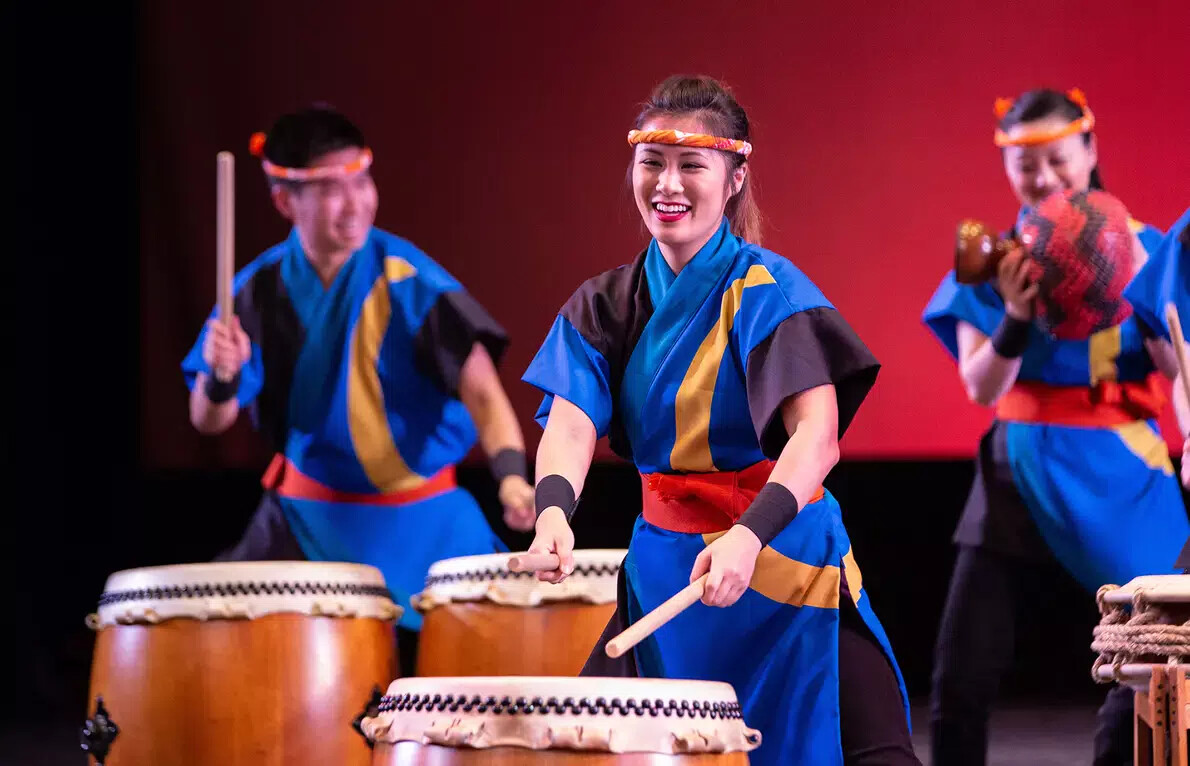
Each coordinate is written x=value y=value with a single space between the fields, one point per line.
x=267 y=536
x=407 y=643
x=973 y=650
x=873 y=726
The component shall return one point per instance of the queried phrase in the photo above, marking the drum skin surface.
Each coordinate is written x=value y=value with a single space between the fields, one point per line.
x=486 y=639
x=587 y=721
x=415 y=754
x=281 y=689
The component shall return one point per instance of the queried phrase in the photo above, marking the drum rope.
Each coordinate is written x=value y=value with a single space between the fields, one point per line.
x=1139 y=631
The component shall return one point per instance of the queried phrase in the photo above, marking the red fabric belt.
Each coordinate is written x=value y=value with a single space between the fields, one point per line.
x=702 y=503
x=1108 y=403
x=283 y=477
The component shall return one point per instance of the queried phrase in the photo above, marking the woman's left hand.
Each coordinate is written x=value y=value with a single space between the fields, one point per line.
x=520 y=509
x=729 y=562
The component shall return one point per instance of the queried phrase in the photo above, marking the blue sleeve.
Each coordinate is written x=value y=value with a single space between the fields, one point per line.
x=1150 y=238
x=568 y=366
x=977 y=305
x=762 y=308
x=1163 y=279
x=251 y=377
x=764 y=305
x=785 y=353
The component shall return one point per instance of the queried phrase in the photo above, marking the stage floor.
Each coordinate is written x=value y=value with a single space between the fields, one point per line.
x=1026 y=734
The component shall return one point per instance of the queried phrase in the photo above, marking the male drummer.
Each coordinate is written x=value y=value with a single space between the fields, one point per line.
x=369 y=370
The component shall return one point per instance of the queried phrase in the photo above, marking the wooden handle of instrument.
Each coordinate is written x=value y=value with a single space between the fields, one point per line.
x=534 y=562
x=225 y=164
x=1179 y=346
x=645 y=626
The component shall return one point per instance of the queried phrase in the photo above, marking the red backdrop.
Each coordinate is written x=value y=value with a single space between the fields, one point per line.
x=499 y=135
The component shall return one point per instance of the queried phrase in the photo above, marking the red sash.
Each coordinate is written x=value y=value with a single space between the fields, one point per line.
x=283 y=477
x=701 y=503
x=1106 y=404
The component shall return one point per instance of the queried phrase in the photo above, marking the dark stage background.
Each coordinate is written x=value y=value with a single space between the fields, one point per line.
x=500 y=150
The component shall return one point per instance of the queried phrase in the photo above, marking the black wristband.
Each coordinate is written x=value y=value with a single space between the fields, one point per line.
x=508 y=462
x=218 y=391
x=771 y=511
x=555 y=490
x=1011 y=337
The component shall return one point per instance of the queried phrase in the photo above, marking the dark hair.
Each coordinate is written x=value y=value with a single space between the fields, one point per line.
x=1044 y=102
x=712 y=104
x=298 y=138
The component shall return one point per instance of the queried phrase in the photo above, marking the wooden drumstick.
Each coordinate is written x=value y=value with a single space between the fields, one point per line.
x=225 y=165
x=645 y=626
x=1179 y=346
x=534 y=562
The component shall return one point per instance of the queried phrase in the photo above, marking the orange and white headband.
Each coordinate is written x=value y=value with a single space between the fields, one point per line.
x=361 y=163
x=682 y=138
x=1083 y=124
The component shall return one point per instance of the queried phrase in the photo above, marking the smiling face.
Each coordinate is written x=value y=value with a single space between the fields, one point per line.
x=332 y=215
x=1064 y=164
x=681 y=192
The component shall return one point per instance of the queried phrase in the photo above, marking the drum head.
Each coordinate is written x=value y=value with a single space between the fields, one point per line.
x=1155 y=588
x=618 y=715
x=488 y=578
x=248 y=589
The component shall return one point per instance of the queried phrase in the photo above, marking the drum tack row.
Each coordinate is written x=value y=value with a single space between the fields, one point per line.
x=271 y=663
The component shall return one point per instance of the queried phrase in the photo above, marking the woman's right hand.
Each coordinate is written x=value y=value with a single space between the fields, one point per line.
x=554 y=536
x=226 y=349
x=1017 y=286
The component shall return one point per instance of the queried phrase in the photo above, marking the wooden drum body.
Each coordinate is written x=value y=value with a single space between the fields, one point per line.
x=1143 y=641
x=552 y=720
x=482 y=619
x=262 y=663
